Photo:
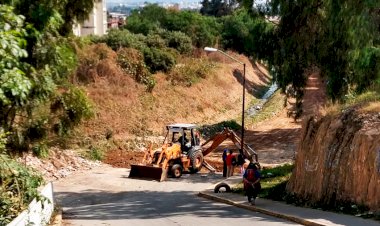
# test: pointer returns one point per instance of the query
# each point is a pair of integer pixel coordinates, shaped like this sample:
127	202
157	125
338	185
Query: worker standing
231	162
251	181
224	158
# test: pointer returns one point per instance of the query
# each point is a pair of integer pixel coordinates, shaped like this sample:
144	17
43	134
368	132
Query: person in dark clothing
224	157
240	161
183	141
251	180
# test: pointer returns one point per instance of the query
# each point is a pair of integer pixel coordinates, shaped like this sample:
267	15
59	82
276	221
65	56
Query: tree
52	15
202	30
29	82
248	34
339	37
15	84
217	8
351	46
73	11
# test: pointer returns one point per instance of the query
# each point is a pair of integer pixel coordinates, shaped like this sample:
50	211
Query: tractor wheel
196	159
176	171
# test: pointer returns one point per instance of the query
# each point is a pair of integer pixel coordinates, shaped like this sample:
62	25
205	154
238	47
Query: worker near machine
224	158
231	162
176	139
251	181
185	146
240	161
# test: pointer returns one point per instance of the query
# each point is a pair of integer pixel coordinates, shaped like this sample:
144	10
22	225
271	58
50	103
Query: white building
96	23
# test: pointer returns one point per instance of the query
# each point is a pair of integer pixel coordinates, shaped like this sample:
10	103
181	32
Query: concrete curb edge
260	210
57	219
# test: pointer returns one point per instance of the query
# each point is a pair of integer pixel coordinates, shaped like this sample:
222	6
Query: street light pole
209	49
242	111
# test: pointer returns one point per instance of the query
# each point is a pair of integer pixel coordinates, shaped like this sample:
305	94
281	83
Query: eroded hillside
125	109
338	159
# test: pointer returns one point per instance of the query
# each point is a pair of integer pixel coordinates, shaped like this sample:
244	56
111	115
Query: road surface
106	196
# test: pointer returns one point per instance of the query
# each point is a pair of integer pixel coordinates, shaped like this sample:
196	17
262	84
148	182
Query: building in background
116	20
96	23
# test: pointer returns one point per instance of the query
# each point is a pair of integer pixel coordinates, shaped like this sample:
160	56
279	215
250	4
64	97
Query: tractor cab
186	135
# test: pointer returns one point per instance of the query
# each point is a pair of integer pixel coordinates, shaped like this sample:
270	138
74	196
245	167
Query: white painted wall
37	213
96	23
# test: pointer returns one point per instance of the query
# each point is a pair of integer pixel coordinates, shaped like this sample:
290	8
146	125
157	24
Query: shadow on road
92	205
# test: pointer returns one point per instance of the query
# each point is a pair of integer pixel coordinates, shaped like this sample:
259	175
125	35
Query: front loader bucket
148	172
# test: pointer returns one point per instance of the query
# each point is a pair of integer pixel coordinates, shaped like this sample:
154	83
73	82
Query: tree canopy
35	62
341	38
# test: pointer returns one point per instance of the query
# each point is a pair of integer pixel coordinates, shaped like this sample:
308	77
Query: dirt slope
338	160
125	108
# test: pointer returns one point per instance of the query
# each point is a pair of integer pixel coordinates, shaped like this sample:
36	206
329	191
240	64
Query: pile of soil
123	159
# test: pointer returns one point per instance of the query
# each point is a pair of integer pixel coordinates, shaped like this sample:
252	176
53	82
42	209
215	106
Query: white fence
38	213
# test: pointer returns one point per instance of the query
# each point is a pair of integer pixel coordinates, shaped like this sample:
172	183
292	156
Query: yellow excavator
182	152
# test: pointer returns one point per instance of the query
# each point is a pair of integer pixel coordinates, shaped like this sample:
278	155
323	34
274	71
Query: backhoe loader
182	152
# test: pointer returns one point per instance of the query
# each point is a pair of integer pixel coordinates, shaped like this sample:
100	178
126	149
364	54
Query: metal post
209	49
242	112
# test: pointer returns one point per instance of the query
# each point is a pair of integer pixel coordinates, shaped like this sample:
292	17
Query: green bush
132	63
190	72
210	130
96	154
143	21
159	59
202	30
155	41
122	39
179	41
41	150
18	185
37	130
72	107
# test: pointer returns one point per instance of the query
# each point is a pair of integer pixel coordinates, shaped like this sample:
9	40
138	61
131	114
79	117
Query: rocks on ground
59	164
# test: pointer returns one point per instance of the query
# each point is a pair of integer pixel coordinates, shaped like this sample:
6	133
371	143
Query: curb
57	219
260	210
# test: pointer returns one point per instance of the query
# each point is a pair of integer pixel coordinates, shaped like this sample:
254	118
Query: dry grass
127	110
372	107
367	102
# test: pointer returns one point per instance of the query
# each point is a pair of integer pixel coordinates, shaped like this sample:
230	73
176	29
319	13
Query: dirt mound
123	158
338	160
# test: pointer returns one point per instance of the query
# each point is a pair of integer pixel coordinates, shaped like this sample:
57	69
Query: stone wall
338	160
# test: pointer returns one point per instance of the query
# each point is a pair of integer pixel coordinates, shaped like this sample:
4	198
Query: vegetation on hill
37	100
38	65
46	74
18	185
341	39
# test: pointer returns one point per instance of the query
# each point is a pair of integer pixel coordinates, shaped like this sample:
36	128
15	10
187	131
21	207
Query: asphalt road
106	196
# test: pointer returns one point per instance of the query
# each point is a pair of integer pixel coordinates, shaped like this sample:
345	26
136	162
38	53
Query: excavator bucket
148	172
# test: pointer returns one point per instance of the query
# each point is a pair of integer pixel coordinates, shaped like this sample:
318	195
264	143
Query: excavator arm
218	138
